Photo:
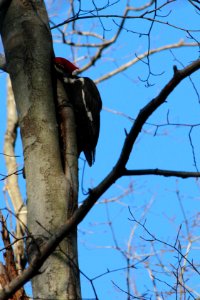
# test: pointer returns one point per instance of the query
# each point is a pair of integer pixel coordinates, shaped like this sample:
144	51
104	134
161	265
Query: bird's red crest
65	64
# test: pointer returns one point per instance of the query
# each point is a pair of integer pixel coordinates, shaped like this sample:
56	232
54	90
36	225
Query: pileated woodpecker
86	102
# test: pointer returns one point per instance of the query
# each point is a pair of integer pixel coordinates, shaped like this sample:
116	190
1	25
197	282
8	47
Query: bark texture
28	47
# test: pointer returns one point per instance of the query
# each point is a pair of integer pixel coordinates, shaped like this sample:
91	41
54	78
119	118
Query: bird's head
63	65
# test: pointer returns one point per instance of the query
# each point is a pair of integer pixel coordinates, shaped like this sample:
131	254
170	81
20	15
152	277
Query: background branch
165	173
11	182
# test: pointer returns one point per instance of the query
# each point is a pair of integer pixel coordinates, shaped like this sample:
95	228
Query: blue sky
150	198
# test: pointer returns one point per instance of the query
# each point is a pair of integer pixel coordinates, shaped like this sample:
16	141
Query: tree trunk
28	47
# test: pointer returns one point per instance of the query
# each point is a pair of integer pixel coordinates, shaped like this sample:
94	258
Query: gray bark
28	48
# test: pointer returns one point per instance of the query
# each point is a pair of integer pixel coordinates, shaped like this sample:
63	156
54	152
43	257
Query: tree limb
140	57
11	182
160	172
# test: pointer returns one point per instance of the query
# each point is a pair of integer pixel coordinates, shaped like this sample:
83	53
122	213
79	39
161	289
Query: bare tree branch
107	43
143	6
140	57
11	182
165	173
125	17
